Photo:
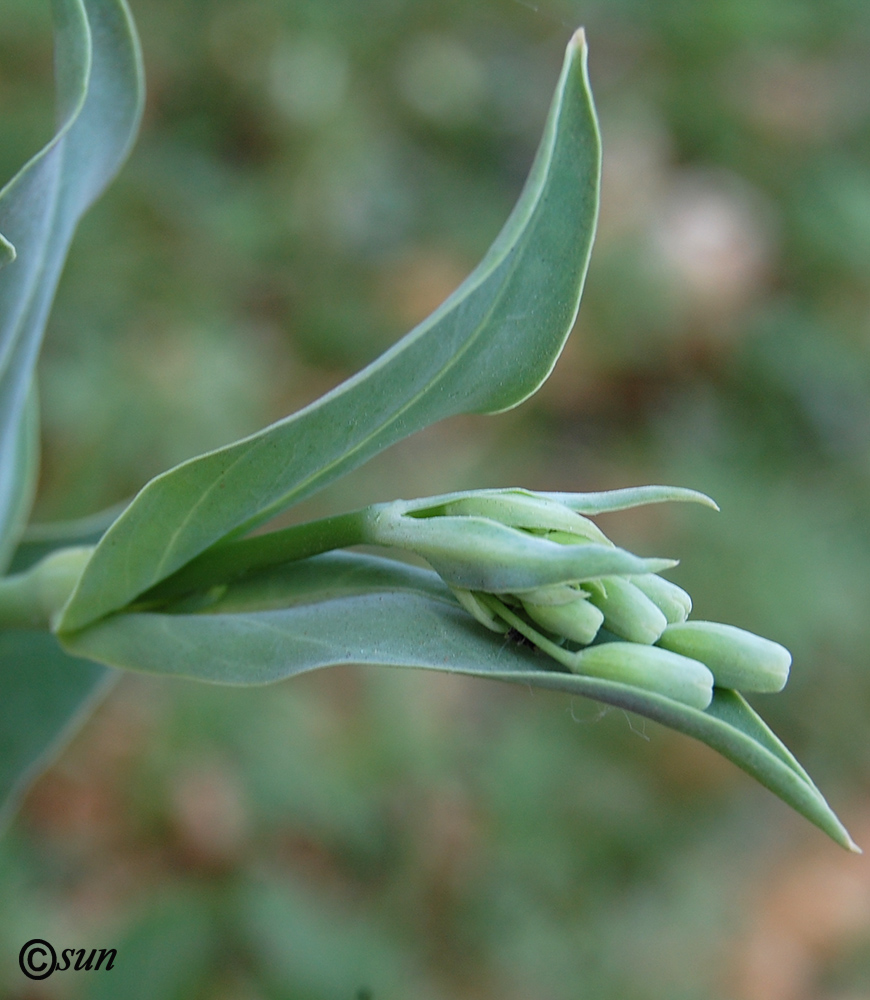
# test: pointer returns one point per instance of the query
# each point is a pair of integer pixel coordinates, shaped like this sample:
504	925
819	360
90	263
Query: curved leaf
99	99
487	348
347	608
606	501
99	96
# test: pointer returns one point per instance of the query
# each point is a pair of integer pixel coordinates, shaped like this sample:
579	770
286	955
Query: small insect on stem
514	635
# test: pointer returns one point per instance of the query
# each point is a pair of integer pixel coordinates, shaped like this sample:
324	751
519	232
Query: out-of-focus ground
311	180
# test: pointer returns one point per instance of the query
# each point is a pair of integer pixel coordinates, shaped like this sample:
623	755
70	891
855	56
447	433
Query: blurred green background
312	179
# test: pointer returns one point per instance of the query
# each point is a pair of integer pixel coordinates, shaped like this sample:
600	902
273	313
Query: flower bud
579	620
473	605
480	554
520	509
628	612
738	659
673	602
678	677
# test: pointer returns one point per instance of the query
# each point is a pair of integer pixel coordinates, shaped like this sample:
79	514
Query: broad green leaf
44	694
486	349
99	99
348	608
43	691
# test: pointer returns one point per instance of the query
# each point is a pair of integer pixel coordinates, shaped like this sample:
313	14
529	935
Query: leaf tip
837	831
659	565
578	40
696	496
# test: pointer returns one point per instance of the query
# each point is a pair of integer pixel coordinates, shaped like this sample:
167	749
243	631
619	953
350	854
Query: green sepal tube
673	675
738	659
628	612
673	602
579	621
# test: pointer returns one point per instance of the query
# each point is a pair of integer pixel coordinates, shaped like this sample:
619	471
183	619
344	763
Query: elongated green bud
579	621
480	554
628	612
738	659
678	677
473	605
673	602
520	509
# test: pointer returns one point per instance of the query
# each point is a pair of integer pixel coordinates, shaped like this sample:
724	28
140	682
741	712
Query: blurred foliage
312	179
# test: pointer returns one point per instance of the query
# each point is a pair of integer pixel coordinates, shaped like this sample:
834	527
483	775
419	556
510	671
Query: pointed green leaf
733	728
99	99
43	691
633	496
347	608
44	695
487	348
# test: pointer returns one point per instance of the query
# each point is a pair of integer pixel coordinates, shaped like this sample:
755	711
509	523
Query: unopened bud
738	659
579	620
673	602
474	606
678	677
628	612
521	509
479	554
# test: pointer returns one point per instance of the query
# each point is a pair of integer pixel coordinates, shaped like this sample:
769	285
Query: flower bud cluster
533	563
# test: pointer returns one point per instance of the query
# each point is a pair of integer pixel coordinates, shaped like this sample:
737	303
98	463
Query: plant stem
231	560
31	600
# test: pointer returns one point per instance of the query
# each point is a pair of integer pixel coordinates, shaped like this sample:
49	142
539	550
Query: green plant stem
32	600
232	560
